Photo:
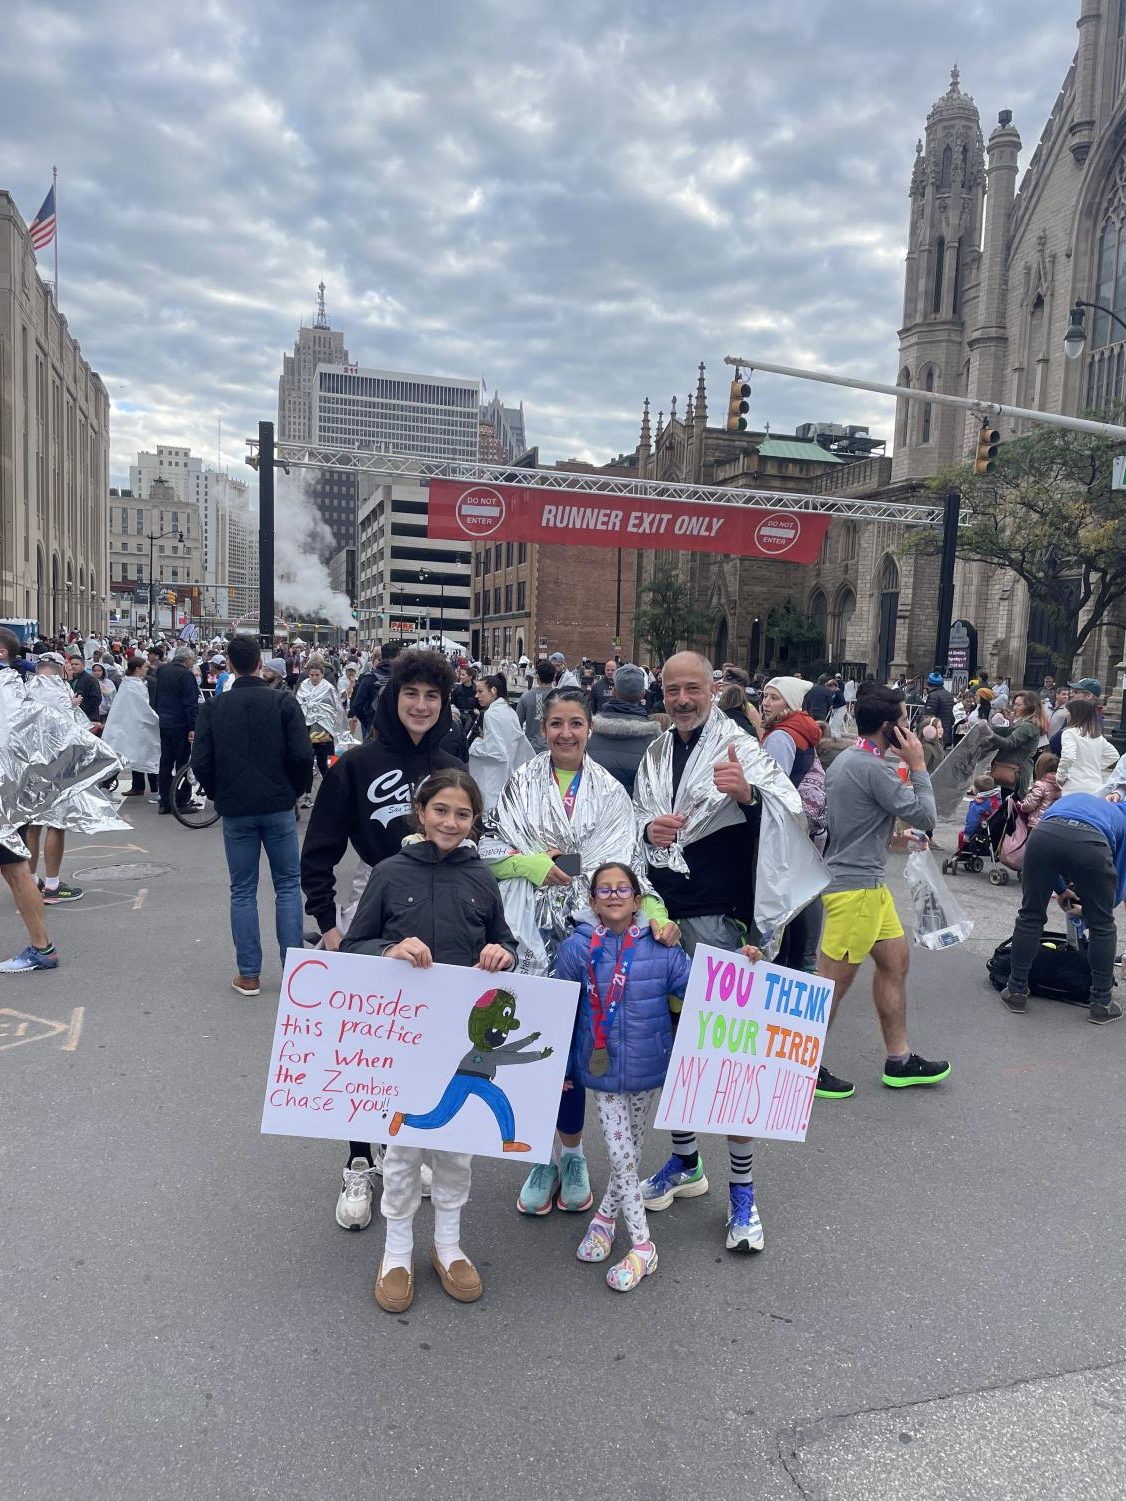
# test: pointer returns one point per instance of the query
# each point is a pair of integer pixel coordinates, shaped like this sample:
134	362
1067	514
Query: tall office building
318	345
54	452
502	439
408	584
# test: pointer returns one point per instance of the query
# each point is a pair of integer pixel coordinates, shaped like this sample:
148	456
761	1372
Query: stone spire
689	415
645	446
672	409
701	399
660	426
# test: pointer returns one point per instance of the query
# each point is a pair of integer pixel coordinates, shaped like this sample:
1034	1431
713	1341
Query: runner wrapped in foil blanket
530	818
50	763
790	872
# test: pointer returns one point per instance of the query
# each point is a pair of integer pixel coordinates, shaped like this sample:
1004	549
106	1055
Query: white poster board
448	1058
745	1058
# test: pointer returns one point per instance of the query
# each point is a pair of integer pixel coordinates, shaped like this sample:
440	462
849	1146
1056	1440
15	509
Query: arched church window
905	406
965	177
925	426
939	268
947	169
1110	287
889	576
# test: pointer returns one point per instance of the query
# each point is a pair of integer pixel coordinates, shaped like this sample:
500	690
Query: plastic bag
938	921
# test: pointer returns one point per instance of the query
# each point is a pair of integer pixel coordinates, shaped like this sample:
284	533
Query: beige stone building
995	262
54	452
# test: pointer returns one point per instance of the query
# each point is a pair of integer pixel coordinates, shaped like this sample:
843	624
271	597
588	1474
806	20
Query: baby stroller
981	848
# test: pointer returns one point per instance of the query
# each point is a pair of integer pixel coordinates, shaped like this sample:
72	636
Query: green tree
792	631
1048	514
669	616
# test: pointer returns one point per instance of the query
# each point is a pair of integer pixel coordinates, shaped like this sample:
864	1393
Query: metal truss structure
390	466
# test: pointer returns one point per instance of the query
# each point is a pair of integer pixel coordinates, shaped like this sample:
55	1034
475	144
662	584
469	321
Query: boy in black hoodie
366	800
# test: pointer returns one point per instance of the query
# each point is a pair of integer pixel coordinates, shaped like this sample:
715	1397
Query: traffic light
738	406
170	596
988	442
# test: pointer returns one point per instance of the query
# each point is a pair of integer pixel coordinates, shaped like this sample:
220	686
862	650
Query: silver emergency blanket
49	764
320	704
790	872
954	773
529	819
500	749
1117	782
132	727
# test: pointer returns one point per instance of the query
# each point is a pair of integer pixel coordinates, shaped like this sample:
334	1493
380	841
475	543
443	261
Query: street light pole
950	522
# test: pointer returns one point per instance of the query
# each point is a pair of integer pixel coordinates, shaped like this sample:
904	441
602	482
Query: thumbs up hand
729	777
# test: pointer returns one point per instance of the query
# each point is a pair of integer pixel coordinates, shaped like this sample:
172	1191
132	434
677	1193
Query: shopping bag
937	919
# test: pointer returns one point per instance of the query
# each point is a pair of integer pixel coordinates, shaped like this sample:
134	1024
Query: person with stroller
1016	743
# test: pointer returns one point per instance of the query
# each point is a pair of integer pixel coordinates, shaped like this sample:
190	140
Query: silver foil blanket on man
789	873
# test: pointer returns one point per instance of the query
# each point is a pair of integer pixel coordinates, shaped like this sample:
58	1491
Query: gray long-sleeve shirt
863	800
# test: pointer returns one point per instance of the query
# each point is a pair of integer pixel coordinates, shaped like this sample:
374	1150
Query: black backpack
1059	972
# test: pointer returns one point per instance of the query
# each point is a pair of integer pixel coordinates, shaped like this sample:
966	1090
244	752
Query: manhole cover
134	872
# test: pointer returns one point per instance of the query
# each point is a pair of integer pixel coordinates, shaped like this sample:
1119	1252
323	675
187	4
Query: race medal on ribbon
599	1062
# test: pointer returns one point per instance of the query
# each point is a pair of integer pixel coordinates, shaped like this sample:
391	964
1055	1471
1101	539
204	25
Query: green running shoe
538	1193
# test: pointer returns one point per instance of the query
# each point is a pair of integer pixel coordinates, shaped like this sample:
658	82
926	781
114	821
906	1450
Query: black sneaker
61	893
829	1087
1101	1012
915	1070
1015	1000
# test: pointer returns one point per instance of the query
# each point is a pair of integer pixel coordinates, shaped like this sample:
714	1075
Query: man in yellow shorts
863	799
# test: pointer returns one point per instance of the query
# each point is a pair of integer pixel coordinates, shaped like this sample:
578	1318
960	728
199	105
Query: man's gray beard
695	725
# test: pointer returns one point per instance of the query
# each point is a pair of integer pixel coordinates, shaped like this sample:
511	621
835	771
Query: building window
928	385
521	595
947	172
496	600
508	595
1110	289
509	554
905	406
939	268
522	554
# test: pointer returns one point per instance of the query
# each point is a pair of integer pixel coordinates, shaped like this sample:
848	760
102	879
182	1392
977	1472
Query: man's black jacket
252	751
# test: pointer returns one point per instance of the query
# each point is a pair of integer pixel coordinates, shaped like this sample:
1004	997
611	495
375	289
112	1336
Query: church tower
941	289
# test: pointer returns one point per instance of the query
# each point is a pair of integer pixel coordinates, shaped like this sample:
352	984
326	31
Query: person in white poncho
324	716
501	746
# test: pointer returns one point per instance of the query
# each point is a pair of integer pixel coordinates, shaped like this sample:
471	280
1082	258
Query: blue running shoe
574	1184
744	1228
674	1181
539	1190
28	959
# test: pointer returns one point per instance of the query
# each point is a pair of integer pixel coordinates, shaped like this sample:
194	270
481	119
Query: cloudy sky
576	202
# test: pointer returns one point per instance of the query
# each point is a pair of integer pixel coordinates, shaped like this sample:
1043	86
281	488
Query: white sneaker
353	1207
427	1179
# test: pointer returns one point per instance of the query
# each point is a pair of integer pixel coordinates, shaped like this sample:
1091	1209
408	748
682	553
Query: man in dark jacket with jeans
176	701
622	731
253	757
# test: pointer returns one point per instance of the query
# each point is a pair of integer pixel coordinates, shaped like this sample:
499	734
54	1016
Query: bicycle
197	811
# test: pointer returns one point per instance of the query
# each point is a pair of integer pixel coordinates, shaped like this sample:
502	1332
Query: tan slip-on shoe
246	985
462	1281
394	1290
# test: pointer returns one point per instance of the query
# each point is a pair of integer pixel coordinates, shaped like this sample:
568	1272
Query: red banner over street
460	510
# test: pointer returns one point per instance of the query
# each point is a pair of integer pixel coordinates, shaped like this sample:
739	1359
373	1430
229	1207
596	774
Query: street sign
1118	472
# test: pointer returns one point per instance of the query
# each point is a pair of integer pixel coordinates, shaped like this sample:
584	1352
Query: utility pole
950	521
266	535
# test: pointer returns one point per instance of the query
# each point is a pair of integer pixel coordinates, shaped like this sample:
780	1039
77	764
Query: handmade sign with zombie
450	1058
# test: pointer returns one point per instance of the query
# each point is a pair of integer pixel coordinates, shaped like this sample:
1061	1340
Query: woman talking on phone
559	818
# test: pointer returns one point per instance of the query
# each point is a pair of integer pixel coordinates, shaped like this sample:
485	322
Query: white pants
624	1118
402	1188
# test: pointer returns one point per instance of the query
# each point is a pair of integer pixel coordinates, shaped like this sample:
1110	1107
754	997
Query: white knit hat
793	690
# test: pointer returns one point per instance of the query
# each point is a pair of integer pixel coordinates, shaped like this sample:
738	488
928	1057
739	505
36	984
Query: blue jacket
1109	819
640	1039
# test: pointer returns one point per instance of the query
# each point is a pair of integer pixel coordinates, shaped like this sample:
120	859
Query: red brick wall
575	599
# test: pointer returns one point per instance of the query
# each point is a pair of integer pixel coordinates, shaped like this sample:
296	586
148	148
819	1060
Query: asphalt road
937	1313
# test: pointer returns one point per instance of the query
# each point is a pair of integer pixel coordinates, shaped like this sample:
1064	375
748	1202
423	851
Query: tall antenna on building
322	317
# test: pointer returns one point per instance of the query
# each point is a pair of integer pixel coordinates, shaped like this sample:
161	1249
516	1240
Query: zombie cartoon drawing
493	1017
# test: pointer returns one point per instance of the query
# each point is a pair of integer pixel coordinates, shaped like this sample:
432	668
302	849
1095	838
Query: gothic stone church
993	268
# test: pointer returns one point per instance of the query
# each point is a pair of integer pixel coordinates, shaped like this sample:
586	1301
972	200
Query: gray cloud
578	203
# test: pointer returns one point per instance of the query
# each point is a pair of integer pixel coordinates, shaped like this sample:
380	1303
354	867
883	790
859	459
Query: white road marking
75	1030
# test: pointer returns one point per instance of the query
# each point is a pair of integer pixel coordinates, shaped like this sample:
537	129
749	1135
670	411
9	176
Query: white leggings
624	1118
402	1192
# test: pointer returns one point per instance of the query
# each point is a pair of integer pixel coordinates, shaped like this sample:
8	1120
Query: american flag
42	227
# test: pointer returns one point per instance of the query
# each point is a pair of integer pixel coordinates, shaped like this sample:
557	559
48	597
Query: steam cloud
302	546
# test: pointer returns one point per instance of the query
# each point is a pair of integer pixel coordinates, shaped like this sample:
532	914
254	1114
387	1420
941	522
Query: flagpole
55	189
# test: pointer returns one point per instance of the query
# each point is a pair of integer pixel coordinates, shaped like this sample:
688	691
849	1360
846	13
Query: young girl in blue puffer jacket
623	1042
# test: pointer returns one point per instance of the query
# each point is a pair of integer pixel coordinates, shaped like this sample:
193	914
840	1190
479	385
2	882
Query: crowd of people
597	829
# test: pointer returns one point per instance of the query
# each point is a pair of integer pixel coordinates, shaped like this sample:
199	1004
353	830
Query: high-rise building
54	452
145	533
391	412
502	438
405	580
318	345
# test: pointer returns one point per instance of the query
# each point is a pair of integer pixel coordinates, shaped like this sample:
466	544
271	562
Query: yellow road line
75	1030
